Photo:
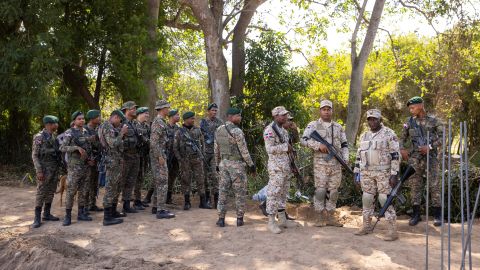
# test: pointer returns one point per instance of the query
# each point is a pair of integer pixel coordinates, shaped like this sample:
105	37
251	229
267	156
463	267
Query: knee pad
382	198
333	195
320	194
368	200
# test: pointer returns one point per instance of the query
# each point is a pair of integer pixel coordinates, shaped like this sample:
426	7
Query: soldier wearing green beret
208	126
143	130
188	147
46	159
415	131
94	119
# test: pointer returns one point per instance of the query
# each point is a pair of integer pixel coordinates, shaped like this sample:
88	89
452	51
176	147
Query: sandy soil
192	241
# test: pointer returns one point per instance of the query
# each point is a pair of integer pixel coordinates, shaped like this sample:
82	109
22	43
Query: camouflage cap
142	110
92	114
76	114
172	112
280	110
188	115
414	100
374	113
128	105
50	119
326	102
160	104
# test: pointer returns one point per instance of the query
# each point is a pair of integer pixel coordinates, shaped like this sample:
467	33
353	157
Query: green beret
92	114
142	110
415	100
188	115
120	114
172	112
50	119
233	111
76	114
212	105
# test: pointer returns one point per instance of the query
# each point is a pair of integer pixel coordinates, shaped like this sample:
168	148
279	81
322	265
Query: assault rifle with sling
332	152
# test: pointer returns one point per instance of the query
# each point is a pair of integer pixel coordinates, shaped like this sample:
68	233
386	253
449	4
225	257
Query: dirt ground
192	241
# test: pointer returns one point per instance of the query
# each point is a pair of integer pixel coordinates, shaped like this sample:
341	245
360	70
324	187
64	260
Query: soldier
46	159
208	126
143	130
94	119
376	167
327	170
111	134
188	147
415	131
79	152
172	162
231	155
131	156
279	171
158	159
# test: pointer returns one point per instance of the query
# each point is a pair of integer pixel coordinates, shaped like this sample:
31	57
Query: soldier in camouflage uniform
111	134
232	157
415	131
279	171
143	130
172	162
188	147
327	172
158	159
208	126
79	156
46	159
94	120
376	167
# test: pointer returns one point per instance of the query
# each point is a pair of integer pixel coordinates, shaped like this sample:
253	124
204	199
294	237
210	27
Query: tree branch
419	10
353	42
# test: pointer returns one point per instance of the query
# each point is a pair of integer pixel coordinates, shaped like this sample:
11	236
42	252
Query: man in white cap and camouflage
327	170
279	171
376	168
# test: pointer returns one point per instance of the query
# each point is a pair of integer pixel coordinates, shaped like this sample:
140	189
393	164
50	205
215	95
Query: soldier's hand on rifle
404	154
161	161
423	149
393	180
124	130
40	176
323	148
83	153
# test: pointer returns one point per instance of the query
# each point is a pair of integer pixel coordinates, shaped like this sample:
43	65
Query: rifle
291	158
332	152
194	146
203	127
395	193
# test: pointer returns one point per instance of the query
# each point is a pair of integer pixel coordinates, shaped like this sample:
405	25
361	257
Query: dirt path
192	240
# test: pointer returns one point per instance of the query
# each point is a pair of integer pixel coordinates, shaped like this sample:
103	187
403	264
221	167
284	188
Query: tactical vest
227	144
79	139
375	152
49	150
130	141
187	145
327	134
418	133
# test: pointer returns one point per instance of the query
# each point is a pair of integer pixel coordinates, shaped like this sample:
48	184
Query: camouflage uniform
279	172
232	155
158	146
327	172
191	163
77	167
46	159
418	161
112	140
172	162
143	130
131	159
92	179
208	128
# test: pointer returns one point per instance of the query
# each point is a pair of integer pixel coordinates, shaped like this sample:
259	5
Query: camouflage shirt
74	139
95	142
230	144
111	139
143	131
415	132
208	128
158	138
183	147
45	151
171	130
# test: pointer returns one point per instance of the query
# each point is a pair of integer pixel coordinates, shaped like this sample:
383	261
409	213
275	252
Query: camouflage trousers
160	178
46	188
91	186
130	174
233	176
114	169
192	169
373	182
416	181
76	183
277	188
211	176
327	181
173	173
143	166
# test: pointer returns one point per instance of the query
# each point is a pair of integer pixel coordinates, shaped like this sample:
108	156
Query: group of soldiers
216	157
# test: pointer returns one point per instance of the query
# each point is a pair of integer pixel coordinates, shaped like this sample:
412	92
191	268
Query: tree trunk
358	66
218	73
75	79
101	70
151	54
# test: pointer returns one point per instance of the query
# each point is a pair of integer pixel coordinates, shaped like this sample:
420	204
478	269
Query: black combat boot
154	210
437	216
138	205
263	207
215	199
82	214
148	197
95	208
415	216
108	219
68	217
47	215
221	222
127	208
36	220
187	205
164	214
169	198
203	202
117	214
239	221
